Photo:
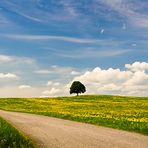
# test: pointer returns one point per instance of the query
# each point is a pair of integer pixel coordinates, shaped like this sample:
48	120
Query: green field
127	113
12	138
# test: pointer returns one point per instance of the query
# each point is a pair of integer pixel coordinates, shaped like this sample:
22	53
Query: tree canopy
77	87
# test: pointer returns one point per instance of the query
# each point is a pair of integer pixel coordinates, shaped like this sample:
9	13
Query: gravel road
48	132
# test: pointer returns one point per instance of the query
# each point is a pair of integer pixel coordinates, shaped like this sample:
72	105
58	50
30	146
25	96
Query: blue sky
58	41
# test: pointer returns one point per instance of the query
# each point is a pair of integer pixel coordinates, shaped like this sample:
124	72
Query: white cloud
100	76
43	71
102	31
138	78
37	10
93	53
56	84
24	86
15	59
59	70
131	10
141	21
46	92
133	81
52	92
55	69
8	76
14	91
75	73
137	66
49	37
30	17
49	83
55	89
4	58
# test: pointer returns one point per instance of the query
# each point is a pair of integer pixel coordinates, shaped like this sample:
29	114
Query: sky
45	45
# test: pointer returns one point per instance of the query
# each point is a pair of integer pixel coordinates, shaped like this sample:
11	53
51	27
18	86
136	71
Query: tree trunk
77	94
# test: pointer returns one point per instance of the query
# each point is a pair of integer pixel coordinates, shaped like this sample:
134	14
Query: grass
127	113
12	138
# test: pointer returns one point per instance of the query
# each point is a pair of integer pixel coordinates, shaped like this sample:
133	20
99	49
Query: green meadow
12	138
126	113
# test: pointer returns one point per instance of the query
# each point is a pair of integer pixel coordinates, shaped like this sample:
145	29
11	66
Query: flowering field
127	113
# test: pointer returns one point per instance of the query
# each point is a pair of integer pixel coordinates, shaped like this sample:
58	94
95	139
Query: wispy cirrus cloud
42	11
58	70
59	74
49	37
132	11
64	11
36	34
93	53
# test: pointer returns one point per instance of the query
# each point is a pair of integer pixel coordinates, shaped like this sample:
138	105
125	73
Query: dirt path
50	132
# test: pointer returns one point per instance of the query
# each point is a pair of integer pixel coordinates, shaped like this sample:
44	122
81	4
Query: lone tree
77	87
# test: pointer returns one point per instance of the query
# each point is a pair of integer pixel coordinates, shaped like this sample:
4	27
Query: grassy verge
127	113
12	138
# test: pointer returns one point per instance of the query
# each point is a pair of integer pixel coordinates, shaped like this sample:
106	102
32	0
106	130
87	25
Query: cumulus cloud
52	92
4	58
15	60
138	78
24	86
137	66
56	84
75	73
51	83
8	76
15	91
132	81
55	89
